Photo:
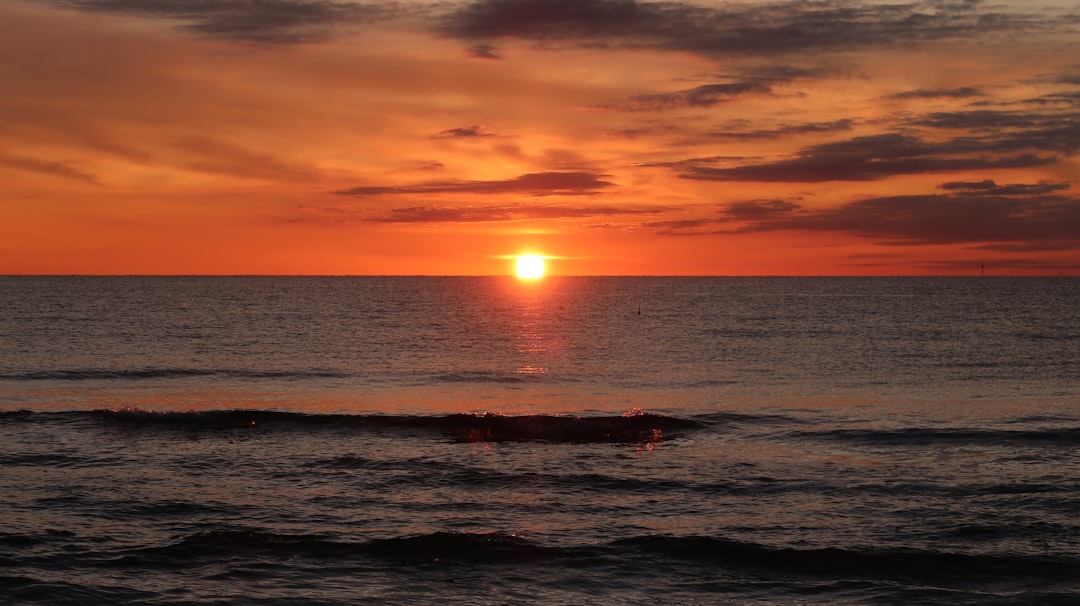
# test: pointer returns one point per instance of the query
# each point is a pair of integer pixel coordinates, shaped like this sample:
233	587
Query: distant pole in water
982	269
639	310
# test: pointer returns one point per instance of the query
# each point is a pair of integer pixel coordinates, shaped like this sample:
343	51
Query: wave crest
638	427
100	374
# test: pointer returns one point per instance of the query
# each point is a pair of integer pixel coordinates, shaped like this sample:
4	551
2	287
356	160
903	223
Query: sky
612	137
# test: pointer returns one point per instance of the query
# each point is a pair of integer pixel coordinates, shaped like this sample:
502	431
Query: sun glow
530	267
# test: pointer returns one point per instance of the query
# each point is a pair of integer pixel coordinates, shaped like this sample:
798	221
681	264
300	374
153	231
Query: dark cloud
683	227
1010	130
517	212
733	28
1062	99
702	161
986	140
713	29
49	167
551	19
484	51
760	210
751	211
980	120
989	187
261	21
751	81
706	95
467	132
533	184
973	218
966	218
870	158
1038	246
812	128
940	93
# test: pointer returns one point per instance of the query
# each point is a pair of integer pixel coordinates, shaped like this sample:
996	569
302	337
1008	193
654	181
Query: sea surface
452	440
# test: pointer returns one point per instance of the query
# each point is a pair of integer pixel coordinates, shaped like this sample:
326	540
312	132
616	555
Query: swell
633	427
899	565
1064	436
99	374
643	555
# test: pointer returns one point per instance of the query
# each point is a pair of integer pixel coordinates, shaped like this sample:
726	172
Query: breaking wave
633	427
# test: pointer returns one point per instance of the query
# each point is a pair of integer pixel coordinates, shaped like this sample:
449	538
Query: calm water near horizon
423	440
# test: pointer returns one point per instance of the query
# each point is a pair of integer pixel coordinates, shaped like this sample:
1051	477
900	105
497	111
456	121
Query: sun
530	267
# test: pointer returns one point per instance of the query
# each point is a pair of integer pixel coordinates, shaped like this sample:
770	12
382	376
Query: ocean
573	440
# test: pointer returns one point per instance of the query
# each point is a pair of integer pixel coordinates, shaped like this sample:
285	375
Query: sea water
428	440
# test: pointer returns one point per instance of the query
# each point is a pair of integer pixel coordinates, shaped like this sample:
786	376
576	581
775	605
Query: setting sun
530	267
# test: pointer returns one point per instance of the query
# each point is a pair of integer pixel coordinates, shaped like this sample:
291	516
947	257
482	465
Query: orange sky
614	137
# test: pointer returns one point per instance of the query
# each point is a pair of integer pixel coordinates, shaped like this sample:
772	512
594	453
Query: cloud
1069	99
1036	223
980	120
812	128
467	132
48	167
706	95
773	28
261	21
533	184
989	187
1007	130
734	28
485	51
758	80
759	210
516	212
870	158
940	93
549	19
222	158
972	217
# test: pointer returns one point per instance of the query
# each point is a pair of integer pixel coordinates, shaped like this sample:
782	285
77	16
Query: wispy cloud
964	92
260	21
752	28
731	28
485	51
1037	222
533	184
989	187
706	95
812	128
516	212
466	132
873	157
49	167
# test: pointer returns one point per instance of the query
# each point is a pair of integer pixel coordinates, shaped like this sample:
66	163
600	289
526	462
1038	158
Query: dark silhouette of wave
917	436
642	555
628	428
99	374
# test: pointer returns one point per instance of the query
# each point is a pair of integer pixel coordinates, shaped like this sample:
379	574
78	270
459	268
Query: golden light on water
530	267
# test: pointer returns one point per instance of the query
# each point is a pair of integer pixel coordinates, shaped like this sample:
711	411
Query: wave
99	374
901	565
479	376
929	437
632	427
196	550
642	555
